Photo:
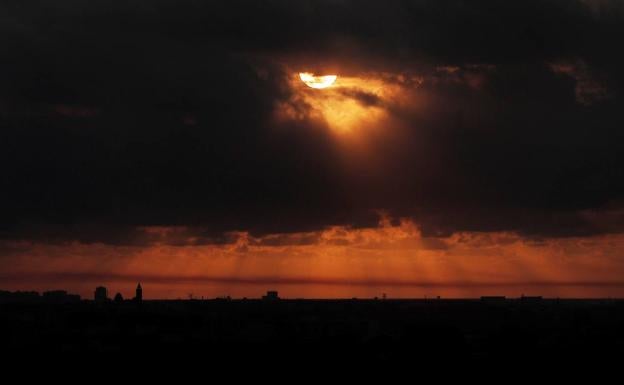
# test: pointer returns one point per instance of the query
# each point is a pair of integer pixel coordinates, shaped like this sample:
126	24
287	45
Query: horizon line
292	280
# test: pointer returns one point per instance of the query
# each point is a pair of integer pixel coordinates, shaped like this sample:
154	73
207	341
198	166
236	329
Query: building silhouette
271	295
493	298
531	298
139	293
19	296
60	296
118	297
101	294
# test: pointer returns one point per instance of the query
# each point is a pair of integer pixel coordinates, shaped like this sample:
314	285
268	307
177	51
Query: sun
318	82
344	104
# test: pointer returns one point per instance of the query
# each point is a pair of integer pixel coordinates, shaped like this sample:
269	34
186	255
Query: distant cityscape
101	295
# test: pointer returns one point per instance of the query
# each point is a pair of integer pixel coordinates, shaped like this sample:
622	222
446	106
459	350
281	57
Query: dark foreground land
333	331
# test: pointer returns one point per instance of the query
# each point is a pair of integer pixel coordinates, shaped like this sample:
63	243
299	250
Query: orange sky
336	262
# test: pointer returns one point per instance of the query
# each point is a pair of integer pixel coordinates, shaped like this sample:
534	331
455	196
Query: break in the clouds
484	116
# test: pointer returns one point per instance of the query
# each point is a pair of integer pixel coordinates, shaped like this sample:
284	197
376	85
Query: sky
466	148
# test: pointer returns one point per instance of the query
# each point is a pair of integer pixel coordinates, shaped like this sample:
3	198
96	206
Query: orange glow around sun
346	103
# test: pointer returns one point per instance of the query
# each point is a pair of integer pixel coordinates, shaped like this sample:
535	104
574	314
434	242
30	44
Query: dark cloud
160	113
365	98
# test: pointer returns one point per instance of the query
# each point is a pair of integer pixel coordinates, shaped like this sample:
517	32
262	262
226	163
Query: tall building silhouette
139	293
101	294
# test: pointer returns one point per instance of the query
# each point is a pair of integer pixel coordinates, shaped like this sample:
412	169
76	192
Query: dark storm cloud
159	113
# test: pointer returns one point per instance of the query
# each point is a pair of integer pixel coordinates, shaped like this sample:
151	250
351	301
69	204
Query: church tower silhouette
139	293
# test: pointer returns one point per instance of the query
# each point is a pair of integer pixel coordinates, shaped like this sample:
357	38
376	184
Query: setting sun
317	82
355	101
